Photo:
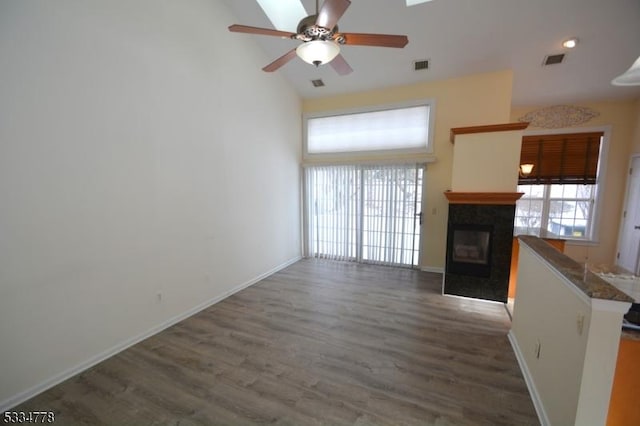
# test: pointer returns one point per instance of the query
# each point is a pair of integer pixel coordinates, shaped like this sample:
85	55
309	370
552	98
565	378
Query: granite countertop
586	281
626	283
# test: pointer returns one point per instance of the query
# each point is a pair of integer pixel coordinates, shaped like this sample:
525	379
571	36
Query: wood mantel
484	198
486	129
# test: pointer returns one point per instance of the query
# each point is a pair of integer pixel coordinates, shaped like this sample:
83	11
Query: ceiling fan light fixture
318	52
631	77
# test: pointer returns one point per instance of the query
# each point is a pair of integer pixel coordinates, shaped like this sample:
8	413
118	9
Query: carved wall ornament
558	116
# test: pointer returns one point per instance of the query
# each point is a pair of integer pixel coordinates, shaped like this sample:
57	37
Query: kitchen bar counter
586	281
513	274
623	408
572	318
628	284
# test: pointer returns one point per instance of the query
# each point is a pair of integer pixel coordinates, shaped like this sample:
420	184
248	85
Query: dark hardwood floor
317	343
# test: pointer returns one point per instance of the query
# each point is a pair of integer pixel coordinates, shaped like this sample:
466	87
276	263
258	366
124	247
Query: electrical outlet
537	349
580	323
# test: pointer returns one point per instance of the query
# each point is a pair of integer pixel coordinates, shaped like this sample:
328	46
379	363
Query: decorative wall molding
559	116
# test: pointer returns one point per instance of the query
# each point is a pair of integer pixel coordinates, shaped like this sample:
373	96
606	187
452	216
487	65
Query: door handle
636	227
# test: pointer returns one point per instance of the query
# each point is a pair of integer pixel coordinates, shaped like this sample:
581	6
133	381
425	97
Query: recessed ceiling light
570	43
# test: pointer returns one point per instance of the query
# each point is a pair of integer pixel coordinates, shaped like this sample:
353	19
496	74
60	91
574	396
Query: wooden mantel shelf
484	198
486	129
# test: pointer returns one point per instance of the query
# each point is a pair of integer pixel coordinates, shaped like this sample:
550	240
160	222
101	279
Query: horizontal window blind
561	158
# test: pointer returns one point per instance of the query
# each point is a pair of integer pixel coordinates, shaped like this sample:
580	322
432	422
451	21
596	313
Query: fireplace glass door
469	249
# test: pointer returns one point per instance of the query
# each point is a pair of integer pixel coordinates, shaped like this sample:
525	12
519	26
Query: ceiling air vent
421	65
317	83
553	59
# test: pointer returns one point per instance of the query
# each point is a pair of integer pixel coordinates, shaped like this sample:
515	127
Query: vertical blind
561	158
364	213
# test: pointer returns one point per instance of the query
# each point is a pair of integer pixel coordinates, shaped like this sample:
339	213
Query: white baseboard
436	269
535	396
60	377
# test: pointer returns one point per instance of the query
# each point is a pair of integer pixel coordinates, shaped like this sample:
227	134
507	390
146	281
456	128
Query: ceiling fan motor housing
308	30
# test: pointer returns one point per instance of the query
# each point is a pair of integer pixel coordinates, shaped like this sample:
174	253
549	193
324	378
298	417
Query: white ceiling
463	37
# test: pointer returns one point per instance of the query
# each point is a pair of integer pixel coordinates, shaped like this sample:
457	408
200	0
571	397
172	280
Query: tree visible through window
563	210
364	213
559	194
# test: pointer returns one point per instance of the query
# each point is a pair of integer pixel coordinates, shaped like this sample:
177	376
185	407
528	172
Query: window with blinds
399	128
364	213
570	158
561	191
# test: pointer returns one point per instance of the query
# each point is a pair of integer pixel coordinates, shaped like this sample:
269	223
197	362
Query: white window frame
594	225
546	199
430	103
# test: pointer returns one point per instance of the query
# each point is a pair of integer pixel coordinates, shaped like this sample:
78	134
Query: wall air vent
422	64
317	83
553	59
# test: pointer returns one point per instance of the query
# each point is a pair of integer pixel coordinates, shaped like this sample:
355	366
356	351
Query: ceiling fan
321	39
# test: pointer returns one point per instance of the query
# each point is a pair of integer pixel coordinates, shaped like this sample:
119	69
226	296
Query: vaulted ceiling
463	37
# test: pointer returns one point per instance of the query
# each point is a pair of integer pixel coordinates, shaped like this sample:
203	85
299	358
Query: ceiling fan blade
381	40
341	66
273	66
330	12
235	28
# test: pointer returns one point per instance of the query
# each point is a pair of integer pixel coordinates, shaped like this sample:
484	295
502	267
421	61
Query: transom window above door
386	129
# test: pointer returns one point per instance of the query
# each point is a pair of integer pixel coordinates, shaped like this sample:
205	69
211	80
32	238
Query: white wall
142	153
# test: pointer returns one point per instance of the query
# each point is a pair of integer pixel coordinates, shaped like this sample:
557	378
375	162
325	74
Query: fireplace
479	240
469	249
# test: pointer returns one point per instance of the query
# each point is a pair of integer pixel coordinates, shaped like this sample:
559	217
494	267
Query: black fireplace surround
479	242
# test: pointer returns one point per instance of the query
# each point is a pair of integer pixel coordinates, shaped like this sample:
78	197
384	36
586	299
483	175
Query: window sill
544	234
587	243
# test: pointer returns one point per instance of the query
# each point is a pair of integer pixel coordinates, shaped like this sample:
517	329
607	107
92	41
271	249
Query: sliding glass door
364	213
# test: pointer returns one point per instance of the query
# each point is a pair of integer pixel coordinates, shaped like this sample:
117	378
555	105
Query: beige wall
473	152
147	168
623	117
635	147
468	101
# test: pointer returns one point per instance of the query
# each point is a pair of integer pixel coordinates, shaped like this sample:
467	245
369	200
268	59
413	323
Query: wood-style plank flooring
317	343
